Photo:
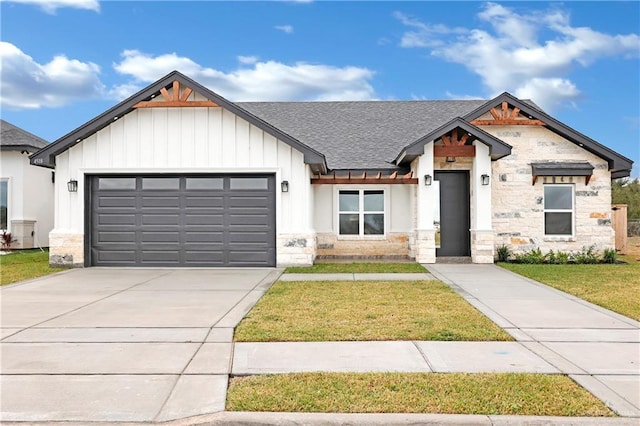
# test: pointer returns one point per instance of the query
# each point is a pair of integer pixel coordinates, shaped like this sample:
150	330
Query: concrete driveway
116	344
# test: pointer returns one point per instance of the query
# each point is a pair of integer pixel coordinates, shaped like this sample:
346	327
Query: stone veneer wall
518	209
66	249
395	245
295	249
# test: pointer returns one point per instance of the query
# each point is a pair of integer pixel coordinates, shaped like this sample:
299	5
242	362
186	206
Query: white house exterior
178	176
26	191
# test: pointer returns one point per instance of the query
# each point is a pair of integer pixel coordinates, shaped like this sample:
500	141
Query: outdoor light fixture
427	180
72	186
485	179
451	159
284	186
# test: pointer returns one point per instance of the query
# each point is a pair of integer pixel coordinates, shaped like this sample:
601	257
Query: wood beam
515	113
175	104
185	95
345	181
463	139
446	140
176	90
505	109
165	94
454	151
507	122
495	114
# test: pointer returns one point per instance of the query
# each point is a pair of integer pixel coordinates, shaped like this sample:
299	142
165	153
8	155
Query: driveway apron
118	344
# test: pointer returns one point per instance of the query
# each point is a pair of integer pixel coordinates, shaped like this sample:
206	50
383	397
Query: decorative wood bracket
454	146
506	117
175	99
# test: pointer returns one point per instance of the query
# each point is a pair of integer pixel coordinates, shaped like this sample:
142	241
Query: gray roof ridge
29	138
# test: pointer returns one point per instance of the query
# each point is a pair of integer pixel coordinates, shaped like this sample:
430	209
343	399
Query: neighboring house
26	192
178	176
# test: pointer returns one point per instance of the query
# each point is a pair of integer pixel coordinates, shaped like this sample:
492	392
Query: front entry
454	213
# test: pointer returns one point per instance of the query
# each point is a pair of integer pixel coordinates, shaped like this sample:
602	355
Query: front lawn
361	310
614	287
23	265
357	268
459	393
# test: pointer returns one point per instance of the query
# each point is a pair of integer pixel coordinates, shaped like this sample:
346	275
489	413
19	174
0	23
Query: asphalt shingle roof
360	135
15	137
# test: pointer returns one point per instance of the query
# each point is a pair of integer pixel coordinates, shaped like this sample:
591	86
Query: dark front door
454	213
188	220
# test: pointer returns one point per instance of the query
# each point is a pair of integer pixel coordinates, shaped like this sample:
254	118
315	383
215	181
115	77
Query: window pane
349	201
373	201
373	224
161	183
4	206
116	183
205	183
557	223
349	224
558	197
249	183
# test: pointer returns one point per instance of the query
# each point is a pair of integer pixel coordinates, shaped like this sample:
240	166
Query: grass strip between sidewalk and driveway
24	265
357	268
457	393
615	287
319	311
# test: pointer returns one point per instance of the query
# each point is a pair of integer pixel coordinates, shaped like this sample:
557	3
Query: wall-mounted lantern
284	185
485	179
72	186
451	159
427	180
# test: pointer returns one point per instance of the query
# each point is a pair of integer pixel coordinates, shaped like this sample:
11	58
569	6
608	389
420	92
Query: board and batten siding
184	140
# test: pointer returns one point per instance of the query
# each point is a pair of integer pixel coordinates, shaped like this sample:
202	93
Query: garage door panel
118	202
117	219
183	221
160	237
116	236
164	202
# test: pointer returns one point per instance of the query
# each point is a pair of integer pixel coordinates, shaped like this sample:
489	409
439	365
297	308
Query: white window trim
9	203
557	237
361	188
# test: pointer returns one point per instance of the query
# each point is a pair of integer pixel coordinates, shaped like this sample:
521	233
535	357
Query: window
361	212
4	204
558	210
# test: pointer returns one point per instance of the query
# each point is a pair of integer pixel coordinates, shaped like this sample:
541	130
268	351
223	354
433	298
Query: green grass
23	265
358	268
361	310
459	393
615	287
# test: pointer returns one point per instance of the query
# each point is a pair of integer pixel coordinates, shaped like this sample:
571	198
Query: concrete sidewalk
358	277
554	331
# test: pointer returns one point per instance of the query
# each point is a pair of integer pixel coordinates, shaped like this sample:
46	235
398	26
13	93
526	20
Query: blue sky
65	61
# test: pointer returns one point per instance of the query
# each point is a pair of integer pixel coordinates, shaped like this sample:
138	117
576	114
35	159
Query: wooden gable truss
179	98
353	178
507	116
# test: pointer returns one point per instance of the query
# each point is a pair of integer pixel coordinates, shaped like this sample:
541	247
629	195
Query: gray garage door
212	220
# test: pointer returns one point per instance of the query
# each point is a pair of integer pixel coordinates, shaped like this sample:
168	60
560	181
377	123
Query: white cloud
27	84
284	28
51	6
511	55
263	81
247	60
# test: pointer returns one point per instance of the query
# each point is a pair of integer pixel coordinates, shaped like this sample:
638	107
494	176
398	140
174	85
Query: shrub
504	253
609	256
586	255
557	258
530	257
6	239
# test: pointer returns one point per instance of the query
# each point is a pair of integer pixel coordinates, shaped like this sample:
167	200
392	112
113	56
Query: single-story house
26	192
176	175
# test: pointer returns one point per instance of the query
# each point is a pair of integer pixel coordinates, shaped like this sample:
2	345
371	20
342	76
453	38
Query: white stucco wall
180	140
30	200
398	223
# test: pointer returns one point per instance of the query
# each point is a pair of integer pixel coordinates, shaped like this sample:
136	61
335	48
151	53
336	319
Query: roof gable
619	165
13	138
497	148
46	156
